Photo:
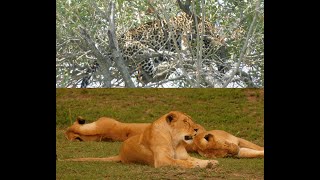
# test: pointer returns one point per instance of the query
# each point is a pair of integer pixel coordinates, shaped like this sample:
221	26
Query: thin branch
185	7
104	62
244	47
199	39
95	5
246	78
198	63
180	62
113	42
165	81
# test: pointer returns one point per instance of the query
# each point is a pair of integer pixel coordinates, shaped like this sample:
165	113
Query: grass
238	111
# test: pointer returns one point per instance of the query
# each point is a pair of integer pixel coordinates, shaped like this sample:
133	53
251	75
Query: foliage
232	20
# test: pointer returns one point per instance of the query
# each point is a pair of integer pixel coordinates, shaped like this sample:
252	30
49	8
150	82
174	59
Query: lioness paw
201	163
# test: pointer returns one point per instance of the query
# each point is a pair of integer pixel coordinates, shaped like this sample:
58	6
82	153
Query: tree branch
104	62
246	78
115	49
185	7
179	60
165	81
244	46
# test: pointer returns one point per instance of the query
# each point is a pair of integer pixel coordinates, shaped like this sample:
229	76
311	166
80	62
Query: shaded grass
238	111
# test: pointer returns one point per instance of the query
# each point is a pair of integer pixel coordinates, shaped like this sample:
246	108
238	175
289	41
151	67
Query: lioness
218	143
104	129
161	144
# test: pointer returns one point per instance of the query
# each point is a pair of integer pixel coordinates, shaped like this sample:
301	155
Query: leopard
151	49
147	46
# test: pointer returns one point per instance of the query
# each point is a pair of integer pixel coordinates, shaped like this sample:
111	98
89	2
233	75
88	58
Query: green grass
238	111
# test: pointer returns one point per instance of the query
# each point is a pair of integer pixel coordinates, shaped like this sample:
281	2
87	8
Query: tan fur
218	143
161	144
104	129
192	147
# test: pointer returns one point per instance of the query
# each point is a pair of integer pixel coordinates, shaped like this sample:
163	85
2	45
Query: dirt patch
245	176
254	95
180	173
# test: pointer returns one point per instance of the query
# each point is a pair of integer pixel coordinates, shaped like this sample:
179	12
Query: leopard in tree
146	47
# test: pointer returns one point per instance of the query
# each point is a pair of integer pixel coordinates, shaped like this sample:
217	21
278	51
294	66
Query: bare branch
113	42
104	62
165	81
246	78
244	46
185	7
179	60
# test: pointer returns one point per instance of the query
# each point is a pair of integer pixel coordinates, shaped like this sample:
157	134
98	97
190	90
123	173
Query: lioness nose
196	130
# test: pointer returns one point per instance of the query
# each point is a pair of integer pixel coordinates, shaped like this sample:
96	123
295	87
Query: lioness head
71	133
182	126
206	141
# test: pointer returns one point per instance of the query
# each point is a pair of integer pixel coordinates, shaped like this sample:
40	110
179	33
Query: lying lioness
218	143
161	144
108	129
104	129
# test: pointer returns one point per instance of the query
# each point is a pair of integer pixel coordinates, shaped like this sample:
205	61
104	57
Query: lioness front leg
204	163
182	154
172	162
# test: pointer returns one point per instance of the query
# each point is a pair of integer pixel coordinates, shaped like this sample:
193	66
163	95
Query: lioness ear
81	120
208	137
170	117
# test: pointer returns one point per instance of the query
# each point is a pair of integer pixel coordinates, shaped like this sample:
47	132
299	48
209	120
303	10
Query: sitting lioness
218	143
104	129
161	144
